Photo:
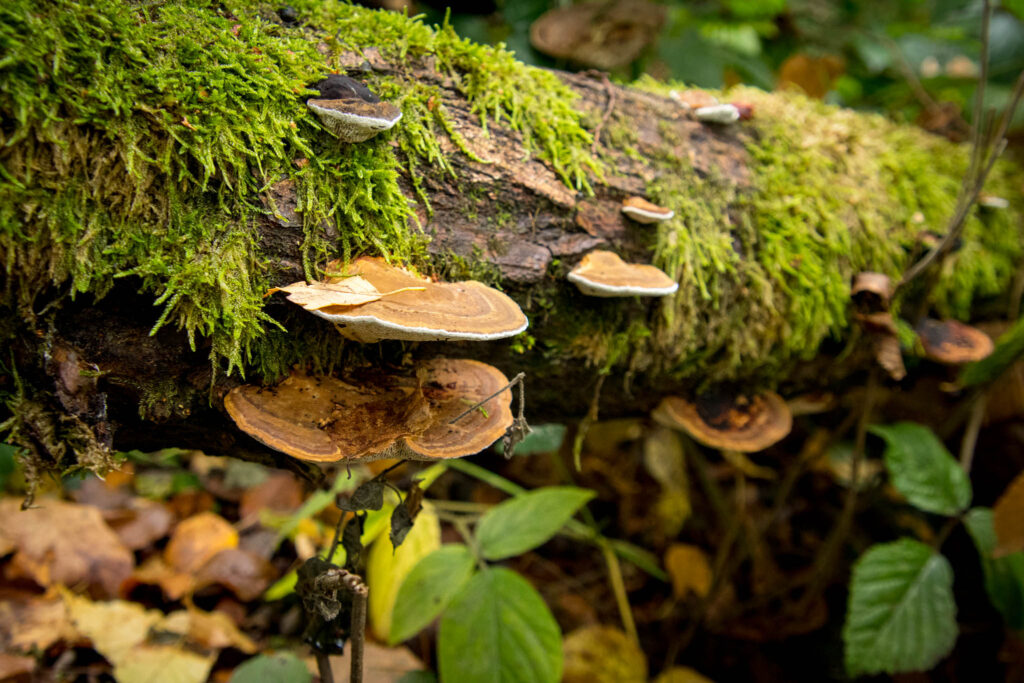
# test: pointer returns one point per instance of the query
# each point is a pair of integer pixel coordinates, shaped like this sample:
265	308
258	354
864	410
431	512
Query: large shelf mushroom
350	111
419	416
411	308
604	274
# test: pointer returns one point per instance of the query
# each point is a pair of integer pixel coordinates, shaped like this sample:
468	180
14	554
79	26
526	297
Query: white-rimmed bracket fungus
604	274
417	309
350	111
643	211
951	342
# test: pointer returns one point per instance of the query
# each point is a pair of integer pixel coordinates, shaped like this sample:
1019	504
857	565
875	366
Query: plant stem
589	419
619	590
971	432
323	665
358	632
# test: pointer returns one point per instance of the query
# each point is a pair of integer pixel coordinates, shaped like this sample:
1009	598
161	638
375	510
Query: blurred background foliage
913	60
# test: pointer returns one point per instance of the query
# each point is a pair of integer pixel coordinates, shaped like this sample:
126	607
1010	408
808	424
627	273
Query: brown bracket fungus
350	111
953	343
425	310
729	423
643	211
604	274
451	387
325	419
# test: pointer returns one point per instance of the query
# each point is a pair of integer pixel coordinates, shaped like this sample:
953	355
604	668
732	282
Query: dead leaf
210	630
15	665
64	543
813	75
1008	518
281	492
689	569
115	627
164	663
197	539
381	664
350	291
155	572
34	623
681	674
602	654
747	466
244	573
142	523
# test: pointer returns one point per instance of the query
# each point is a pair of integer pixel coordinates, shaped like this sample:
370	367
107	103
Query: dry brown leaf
813	75
197	539
281	492
64	543
602	654
12	666
689	569
211	630
1008	518
350	291
142	523
681	674
34	623
155	572
244	573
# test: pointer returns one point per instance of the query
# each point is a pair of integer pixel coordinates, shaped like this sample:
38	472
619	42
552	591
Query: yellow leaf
688	567
115	628
681	674
349	291
602	654
386	567
211	630
164	663
197	539
1008	518
748	467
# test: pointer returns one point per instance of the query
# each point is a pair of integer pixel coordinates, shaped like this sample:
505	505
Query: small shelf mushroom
953	343
730	423
416	309
604	274
643	211
325	419
718	113
350	111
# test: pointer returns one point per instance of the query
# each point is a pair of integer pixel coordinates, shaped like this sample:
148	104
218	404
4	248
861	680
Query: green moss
138	139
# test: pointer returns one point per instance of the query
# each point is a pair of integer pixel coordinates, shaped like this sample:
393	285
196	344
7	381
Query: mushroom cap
952	342
734	423
324	419
435	311
450	387
604	274
355	120
871	292
342	87
643	211
717	113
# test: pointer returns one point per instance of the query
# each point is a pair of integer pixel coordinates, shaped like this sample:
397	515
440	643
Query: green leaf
1009	349
498	630
528	520
923	470
283	667
901	615
1004	576
428	589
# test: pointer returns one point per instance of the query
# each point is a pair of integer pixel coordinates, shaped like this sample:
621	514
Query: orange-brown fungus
729	423
952	342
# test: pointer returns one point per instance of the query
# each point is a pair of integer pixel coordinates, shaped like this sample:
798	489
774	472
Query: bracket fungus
643	211
417	309
350	111
604	274
730	423
953	343
325	419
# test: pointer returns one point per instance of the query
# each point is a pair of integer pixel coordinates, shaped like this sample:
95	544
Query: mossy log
161	172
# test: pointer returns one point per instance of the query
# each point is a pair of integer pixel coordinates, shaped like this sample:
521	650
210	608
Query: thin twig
589	419
970	439
518	379
609	105
619	589
323	665
358	632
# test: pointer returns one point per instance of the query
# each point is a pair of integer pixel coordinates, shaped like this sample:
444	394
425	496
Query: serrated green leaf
428	588
498	630
283	667
1004	576
528	520
901	615
923	470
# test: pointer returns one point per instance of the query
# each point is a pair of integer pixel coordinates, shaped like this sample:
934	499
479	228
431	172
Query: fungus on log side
604	274
731	423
